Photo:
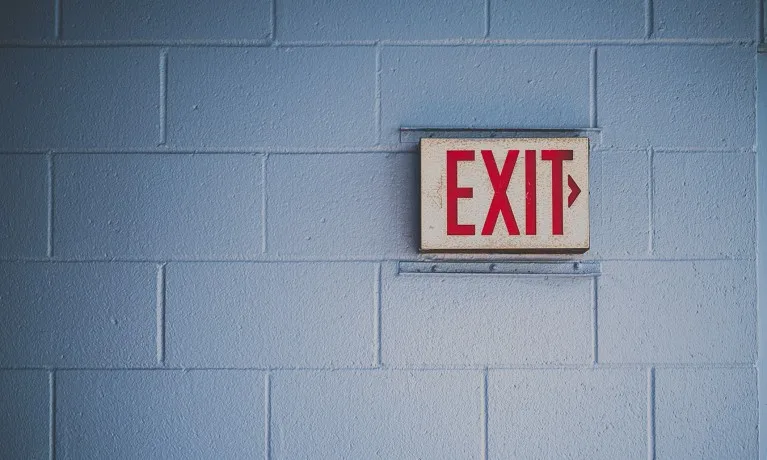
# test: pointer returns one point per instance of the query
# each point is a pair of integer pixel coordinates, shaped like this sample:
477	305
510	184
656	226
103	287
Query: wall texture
204	206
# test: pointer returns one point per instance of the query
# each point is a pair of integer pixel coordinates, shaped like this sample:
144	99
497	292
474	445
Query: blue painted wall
204	205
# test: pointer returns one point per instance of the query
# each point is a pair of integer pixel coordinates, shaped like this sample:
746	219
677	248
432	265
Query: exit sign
513	195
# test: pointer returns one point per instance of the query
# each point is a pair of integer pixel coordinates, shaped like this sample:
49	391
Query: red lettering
500	182
557	206
530	204
454	192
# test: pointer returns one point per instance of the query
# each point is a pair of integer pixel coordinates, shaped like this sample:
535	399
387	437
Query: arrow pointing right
574	191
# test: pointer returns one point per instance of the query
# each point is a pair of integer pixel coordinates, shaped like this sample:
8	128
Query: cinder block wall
204	206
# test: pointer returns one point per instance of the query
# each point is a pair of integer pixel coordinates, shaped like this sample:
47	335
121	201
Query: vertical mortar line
650	197
759	231
163	96
649	19
761	249
264	162
160	311
759	293
268	416
484	413
377	102
57	19
594	321
760	21
273	19
52	414
487	18
593	88
49	250
378	361
651	413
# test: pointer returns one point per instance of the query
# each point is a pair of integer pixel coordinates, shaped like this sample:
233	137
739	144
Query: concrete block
677	96
27	20
342	205
24	414
706	413
704	205
159	414
556	19
270	315
157	206
735	19
493	320
23	205
271	98
620	213
474	87
306	20
677	312
79	98
77	314
377	414
558	413
166	20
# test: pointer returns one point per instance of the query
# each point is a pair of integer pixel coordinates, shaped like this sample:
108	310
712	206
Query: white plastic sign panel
505	195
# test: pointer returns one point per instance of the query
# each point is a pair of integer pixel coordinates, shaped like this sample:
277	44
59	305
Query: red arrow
574	191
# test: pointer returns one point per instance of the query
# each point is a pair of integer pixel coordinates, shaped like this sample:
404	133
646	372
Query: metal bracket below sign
564	268
413	135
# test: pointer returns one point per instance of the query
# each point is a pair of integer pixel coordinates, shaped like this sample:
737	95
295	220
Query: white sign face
514	195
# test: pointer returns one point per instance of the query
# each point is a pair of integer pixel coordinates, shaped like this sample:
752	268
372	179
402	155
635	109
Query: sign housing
526	195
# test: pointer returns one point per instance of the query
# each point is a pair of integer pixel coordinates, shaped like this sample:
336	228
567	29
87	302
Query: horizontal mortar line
412	147
583	366
491	258
708	150
619	366
377	150
186	369
213	151
110	151
183	261
259	43
616	150
265	43
638	148
641	365
391	148
468	368
579	42
405	147
672	259
605	149
234	369
452	258
190	261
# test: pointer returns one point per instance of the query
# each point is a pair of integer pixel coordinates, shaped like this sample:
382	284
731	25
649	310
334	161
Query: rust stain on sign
513	195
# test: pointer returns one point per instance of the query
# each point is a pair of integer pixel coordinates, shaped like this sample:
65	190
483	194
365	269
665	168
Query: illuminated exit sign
515	195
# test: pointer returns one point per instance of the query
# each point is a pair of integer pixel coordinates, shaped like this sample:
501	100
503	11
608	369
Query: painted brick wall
204	206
